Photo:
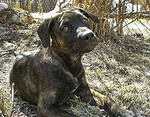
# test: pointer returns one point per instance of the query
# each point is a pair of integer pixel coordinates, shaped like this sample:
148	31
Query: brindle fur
56	72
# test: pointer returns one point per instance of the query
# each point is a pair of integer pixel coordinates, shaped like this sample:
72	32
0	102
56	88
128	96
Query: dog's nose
85	34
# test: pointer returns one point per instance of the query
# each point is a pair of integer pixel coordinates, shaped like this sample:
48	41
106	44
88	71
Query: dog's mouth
86	45
86	40
92	44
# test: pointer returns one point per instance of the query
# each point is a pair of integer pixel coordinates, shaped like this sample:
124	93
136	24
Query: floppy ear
44	31
89	15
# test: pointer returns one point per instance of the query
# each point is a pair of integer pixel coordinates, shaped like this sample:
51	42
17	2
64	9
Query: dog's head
69	31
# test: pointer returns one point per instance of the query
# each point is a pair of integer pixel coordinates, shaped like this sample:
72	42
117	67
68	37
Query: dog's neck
71	62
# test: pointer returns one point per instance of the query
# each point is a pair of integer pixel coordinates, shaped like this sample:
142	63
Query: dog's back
22	75
31	72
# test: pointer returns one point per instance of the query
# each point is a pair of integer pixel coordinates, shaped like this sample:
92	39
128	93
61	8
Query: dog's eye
65	28
84	20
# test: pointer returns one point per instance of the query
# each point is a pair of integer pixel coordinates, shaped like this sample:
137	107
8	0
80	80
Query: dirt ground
119	67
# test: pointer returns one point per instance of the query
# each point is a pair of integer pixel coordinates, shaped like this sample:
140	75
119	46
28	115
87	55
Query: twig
13	84
129	23
12	94
144	25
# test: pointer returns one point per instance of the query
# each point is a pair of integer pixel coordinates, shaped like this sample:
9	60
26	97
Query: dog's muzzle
85	34
87	37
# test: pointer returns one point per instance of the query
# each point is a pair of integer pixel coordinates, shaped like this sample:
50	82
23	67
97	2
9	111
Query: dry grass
5	100
102	9
119	67
122	71
114	15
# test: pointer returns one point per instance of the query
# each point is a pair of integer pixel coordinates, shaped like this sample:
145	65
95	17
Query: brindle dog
56	72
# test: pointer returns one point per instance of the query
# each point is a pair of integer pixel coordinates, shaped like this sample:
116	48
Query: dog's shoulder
25	55
46	57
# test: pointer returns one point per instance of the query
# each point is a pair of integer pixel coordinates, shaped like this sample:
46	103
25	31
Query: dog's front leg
83	91
97	99
48	107
111	106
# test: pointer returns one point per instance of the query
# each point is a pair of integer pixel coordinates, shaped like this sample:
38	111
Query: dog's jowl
55	73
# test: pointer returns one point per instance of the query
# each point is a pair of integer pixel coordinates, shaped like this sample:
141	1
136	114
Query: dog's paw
128	113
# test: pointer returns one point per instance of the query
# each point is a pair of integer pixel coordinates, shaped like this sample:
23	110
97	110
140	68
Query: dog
55	73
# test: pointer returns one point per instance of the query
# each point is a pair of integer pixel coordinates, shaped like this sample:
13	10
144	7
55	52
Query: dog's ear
89	15
44	31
